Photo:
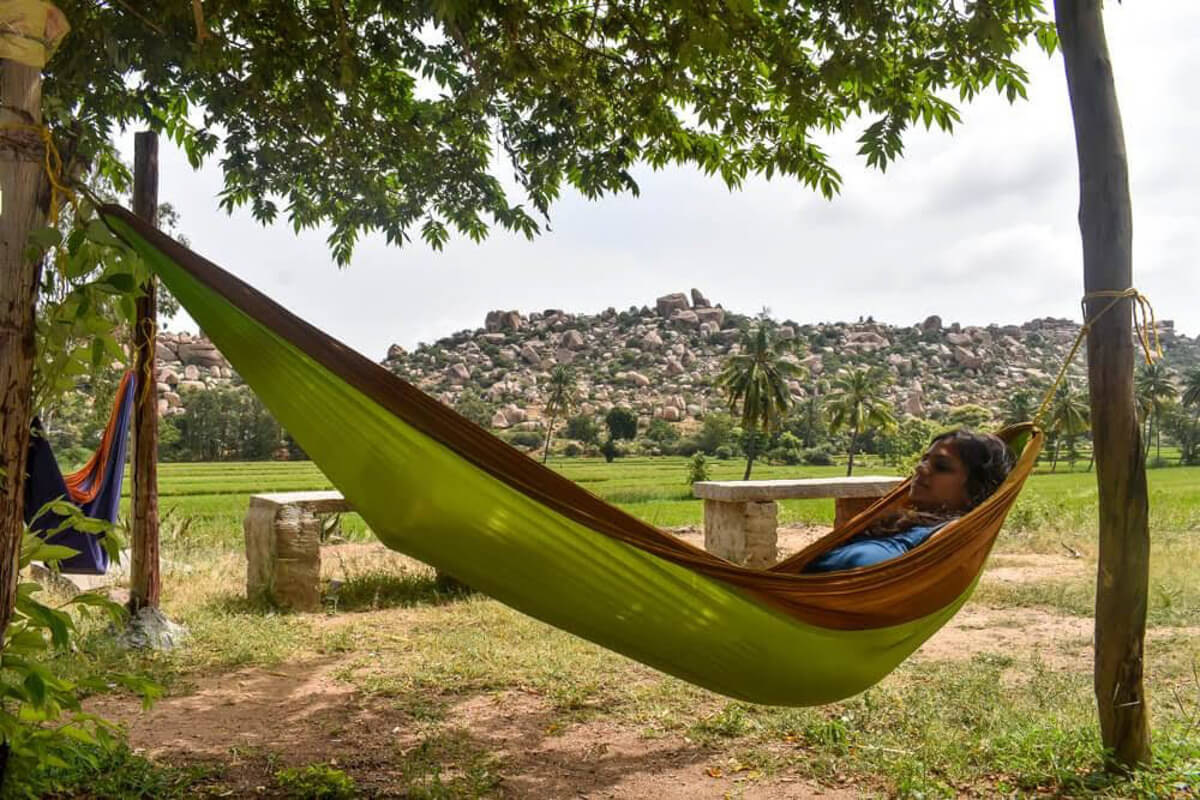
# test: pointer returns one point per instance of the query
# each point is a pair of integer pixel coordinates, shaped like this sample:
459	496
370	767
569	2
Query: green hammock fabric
422	498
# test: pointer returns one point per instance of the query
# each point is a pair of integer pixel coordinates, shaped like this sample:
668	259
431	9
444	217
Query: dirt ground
254	721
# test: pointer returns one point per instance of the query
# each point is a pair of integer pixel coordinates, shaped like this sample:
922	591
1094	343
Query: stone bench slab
804	488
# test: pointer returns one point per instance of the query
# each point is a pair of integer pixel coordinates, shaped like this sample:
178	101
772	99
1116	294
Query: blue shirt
863	551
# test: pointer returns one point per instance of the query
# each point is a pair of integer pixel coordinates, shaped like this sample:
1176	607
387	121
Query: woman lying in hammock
958	472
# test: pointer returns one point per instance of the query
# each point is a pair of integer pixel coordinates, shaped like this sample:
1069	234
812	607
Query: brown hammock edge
915	585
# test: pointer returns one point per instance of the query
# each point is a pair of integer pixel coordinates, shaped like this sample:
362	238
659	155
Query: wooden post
22	189
1106	226
144	579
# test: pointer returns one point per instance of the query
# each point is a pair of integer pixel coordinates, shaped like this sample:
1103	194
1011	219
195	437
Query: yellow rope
52	164
1146	328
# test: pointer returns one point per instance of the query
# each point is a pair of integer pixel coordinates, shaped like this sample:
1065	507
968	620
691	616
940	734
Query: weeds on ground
316	782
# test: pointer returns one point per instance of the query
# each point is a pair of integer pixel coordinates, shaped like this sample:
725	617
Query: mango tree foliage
400	117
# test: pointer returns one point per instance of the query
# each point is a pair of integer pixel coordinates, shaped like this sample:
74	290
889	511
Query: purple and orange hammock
95	488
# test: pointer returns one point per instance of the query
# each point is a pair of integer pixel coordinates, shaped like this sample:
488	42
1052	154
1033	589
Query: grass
998	723
203	504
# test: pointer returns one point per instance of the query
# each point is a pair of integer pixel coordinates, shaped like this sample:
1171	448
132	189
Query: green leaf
45	238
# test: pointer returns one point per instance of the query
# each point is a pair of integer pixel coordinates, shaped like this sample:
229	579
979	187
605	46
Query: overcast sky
978	226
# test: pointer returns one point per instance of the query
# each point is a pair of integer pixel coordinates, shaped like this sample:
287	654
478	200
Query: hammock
433	485
95	488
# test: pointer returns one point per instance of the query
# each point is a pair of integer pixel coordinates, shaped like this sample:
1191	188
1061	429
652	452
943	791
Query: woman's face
940	482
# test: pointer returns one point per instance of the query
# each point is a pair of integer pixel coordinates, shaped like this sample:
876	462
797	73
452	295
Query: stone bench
741	517
283	548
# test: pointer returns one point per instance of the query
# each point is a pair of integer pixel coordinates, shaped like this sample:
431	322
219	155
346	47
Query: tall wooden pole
144	578
1106	225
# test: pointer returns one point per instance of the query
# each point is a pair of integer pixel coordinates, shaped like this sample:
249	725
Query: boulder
651	341
685	319
168	376
193	385
965	358
932	323
497	321
637	379
564	356
201	353
458	373
714	315
191	373
573	340
913	405
960	339
172	400
707	329
493	338
162	407
671	302
699	300
672	414
499	420
513	414
727	336
786	333
396	353
165	351
529	355
674	367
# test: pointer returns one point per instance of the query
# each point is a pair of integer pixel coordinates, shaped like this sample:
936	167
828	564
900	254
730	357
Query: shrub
316	782
583	428
610	450
724	452
697	469
818	457
572	450
527	439
662	432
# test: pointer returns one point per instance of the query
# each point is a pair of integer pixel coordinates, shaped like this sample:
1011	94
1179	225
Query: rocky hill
661	361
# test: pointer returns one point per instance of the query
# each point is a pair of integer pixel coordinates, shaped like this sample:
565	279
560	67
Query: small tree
857	403
1154	389
1018	407
583	427
1191	399
559	399
622	424
757	378
1069	417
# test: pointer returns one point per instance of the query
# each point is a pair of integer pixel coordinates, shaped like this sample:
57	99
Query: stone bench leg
744	533
283	556
847	508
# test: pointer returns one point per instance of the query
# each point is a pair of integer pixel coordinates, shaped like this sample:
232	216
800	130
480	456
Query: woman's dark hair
986	457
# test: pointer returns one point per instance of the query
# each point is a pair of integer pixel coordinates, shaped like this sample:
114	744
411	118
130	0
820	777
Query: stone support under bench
741	517
283	546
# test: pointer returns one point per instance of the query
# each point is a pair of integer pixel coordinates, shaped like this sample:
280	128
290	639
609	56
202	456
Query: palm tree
1154	388
856	402
1018	407
561	397
757	378
1191	397
1070	415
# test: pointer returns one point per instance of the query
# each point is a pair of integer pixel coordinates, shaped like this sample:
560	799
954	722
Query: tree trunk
549	435
1106	226
1054	457
751	452
22	188
145	582
850	458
